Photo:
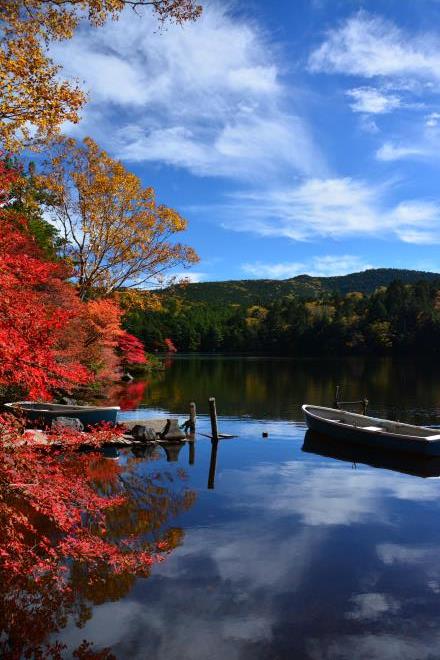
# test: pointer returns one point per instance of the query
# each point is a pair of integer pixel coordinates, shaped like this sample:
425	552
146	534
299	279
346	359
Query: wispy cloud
370	46
282	270
389	151
332	208
431	121
190	276
372	101
206	97
402	69
320	266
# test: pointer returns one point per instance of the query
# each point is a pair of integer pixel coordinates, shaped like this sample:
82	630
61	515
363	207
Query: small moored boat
371	431
45	413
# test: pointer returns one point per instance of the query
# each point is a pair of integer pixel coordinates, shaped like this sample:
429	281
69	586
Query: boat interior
372	423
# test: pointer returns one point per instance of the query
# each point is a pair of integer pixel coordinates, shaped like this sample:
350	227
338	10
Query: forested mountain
261	292
400	318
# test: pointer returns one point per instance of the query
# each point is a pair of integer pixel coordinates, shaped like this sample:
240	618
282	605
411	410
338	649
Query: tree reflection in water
33	608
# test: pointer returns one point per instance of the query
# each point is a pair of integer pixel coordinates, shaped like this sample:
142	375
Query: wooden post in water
190	425
213	415
364	406
192	417
337	396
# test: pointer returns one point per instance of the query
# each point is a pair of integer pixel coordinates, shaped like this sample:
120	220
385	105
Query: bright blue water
292	553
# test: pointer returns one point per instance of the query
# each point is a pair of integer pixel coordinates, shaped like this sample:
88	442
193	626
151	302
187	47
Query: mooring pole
192	417
364	406
213	415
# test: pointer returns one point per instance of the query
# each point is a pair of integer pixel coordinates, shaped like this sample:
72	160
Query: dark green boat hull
45	413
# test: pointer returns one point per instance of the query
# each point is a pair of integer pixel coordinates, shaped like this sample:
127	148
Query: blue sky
297	136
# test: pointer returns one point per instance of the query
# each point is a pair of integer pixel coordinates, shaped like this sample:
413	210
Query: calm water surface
289	549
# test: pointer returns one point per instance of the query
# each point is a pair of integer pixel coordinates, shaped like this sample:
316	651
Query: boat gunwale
305	408
63	407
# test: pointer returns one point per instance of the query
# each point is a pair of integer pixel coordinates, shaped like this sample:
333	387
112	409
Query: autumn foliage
50	340
76	528
131	349
34	99
84	538
33	309
116	234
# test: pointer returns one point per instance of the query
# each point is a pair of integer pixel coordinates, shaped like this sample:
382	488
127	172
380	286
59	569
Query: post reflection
172	451
212	464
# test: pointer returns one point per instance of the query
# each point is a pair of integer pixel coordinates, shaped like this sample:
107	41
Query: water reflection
212	464
295	554
33	612
286	551
276	388
420	466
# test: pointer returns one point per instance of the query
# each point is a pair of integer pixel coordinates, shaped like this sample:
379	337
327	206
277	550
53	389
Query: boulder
67	422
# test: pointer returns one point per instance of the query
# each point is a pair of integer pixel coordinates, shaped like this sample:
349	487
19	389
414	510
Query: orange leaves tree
115	232
34	101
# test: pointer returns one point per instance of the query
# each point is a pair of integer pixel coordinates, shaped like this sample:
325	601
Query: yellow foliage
116	234
33	100
318	310
137	299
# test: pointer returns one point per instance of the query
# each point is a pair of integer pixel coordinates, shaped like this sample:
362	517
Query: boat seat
372	428
433	437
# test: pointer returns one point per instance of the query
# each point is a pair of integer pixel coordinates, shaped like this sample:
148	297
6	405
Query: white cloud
371	46
190	276
273	271
372	101
368	125
338	265
389	151
403	66
323	266
332	208
206	96
432	119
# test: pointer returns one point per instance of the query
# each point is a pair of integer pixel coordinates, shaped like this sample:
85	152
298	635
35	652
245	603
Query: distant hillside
259	292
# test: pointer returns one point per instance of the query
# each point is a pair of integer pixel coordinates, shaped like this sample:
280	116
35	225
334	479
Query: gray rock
67	401
67	422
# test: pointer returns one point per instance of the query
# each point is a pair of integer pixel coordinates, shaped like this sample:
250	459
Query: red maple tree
131	349
31	319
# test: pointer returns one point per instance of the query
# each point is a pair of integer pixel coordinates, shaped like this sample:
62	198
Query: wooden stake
192	417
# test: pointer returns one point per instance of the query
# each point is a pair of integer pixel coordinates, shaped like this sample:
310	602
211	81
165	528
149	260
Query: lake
284	548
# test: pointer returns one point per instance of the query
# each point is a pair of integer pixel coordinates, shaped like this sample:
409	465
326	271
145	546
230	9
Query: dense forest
261	291
399	318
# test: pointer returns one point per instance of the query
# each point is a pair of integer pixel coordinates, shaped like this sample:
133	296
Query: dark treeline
395	319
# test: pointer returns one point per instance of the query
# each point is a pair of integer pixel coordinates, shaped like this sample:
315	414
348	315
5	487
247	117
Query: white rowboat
371	431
